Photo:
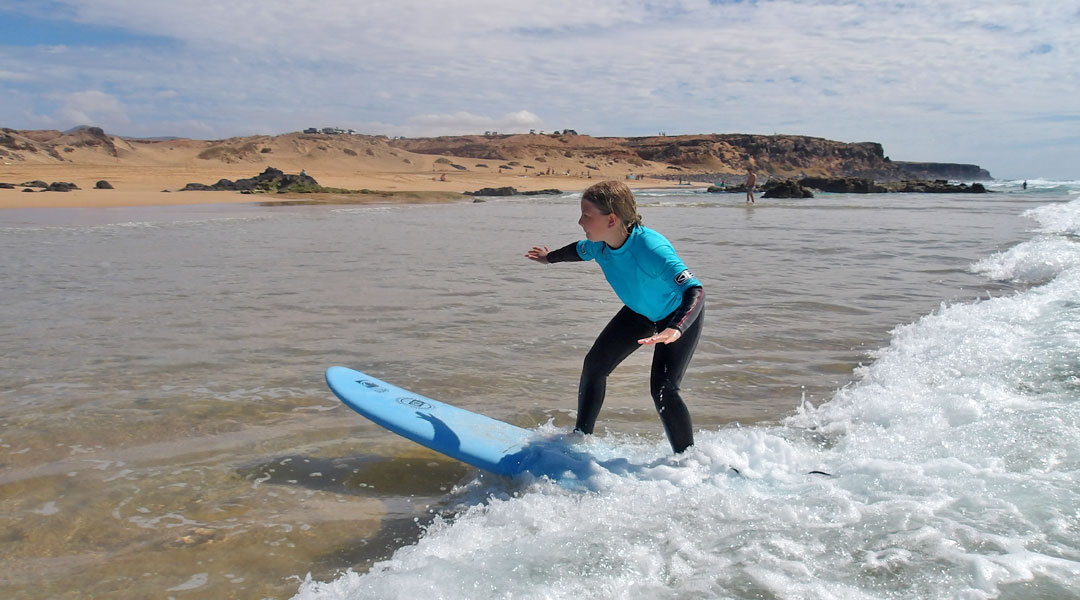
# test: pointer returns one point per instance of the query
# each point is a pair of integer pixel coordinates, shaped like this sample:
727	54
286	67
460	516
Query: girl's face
597	225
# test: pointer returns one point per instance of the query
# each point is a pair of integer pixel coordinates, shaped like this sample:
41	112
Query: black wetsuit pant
616	342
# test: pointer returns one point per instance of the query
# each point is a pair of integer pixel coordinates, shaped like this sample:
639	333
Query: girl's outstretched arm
538	253
541	254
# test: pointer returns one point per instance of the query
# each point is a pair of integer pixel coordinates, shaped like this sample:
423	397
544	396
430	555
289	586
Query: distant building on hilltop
330	131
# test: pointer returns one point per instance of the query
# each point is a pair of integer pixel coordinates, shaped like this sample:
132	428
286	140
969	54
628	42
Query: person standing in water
751	181
664	306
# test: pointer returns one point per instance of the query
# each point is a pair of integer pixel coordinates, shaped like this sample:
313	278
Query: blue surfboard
472	438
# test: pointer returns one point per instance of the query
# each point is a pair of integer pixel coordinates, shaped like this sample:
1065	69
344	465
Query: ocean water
886	399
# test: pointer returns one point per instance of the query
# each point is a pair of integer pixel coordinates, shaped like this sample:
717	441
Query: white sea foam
954	462
1045	257
1034	262
1058	218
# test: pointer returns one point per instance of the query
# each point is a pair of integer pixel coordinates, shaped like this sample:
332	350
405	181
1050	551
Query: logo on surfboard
414	403
371	385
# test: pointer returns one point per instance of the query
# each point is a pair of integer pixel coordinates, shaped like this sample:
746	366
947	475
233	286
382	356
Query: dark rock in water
501	191
61	186
786	188
7	186
476	200
843	185
103	185
28	189
546	192
719	189
939	186
37	183
856	185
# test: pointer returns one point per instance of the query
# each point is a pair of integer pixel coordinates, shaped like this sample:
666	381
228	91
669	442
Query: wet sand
150	186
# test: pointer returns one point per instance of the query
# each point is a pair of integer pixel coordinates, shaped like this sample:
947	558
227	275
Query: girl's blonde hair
614	197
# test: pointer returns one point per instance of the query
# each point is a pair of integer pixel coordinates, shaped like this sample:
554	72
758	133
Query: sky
989	82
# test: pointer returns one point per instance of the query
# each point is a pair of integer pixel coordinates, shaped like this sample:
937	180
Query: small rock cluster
56	186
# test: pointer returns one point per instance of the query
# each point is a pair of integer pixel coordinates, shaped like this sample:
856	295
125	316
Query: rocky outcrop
511	191
93	137
939	186
61	186
269	180
852	185
103	185
952	171
803	188
29	186
785	188
500	191
843	185
51	146
778	155
709	156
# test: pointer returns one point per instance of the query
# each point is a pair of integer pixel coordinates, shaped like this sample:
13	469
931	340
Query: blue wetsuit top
645	272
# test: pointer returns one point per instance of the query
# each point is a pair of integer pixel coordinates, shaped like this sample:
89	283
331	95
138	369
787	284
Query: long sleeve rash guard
646	274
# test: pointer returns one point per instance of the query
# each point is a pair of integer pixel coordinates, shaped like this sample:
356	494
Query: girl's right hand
538	253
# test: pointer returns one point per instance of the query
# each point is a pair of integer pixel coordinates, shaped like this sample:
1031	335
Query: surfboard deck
470	437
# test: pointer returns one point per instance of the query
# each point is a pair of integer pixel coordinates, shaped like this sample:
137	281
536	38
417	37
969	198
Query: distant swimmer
751	181
1025	184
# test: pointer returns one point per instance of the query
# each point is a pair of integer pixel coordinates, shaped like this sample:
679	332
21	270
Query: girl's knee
665	393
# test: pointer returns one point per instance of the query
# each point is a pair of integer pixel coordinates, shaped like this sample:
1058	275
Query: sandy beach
145	173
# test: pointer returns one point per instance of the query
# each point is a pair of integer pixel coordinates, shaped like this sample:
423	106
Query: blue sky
976	81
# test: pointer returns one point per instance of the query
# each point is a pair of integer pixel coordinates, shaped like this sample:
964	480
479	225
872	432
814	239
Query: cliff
784	155
956	172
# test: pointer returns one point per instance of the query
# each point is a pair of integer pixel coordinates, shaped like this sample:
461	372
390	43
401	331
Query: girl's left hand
666	336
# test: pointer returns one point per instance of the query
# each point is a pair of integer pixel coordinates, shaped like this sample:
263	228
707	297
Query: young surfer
663	306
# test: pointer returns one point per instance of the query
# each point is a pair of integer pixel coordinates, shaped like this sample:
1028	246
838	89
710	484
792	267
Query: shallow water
165	430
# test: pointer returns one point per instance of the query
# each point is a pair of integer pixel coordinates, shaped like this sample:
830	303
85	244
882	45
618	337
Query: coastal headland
99	169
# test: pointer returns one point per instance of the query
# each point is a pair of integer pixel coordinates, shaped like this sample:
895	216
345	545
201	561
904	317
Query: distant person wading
751	181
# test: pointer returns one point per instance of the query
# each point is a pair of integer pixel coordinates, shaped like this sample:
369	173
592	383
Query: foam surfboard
470	437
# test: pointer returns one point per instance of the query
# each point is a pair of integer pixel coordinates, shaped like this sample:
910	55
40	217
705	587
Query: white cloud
461	123
922	77
92	107
15	76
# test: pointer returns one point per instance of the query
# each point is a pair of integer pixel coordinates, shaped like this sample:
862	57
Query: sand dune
141	170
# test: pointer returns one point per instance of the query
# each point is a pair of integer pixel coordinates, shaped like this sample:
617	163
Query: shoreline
159	186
